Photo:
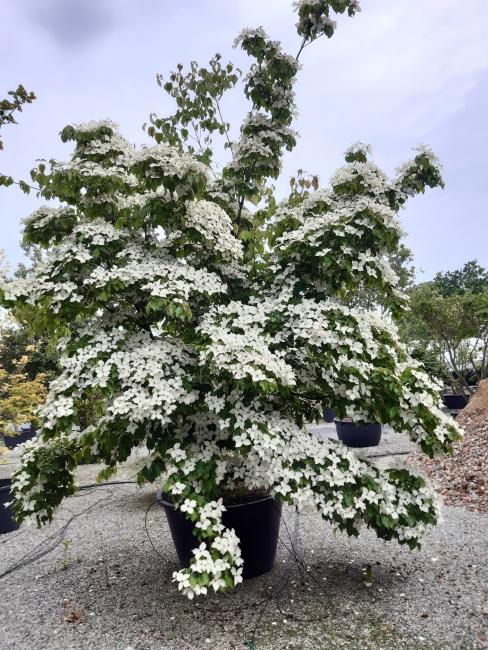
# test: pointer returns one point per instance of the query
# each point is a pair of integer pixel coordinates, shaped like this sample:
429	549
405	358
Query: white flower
188	506
178	488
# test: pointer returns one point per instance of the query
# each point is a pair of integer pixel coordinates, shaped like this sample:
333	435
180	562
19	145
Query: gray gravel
109	588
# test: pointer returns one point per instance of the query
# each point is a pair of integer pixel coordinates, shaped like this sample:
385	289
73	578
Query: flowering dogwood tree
213	330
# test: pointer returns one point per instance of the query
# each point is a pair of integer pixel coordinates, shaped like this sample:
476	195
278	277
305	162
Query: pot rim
359	424
162	501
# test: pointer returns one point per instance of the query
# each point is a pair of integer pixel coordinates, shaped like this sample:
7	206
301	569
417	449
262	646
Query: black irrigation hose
285	578
390	453
49	544
12	537
97	485
302	570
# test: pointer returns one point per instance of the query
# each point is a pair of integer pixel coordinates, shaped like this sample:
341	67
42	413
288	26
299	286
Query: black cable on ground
48	545
106	483
12	537
390	453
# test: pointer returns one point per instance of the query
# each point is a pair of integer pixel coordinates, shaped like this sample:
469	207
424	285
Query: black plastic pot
329	415
256	523
7	523
367	434
455	402
25	434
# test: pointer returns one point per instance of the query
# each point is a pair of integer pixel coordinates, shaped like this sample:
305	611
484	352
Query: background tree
451	327
471	278
19	398
38	346
16	341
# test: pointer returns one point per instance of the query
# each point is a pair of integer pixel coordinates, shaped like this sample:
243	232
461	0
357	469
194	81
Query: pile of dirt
462	479
478	404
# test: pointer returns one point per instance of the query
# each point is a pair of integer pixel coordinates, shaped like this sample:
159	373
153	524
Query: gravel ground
108	585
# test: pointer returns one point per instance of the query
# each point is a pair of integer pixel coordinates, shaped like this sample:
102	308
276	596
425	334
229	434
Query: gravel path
108	586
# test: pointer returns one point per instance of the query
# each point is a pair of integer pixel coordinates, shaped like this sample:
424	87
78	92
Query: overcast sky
399	73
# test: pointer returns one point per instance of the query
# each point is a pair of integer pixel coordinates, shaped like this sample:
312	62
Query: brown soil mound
478	404
462	479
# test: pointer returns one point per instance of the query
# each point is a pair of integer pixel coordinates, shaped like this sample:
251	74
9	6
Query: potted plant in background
358	434
328	414
210	327
448	318
455	401
7	521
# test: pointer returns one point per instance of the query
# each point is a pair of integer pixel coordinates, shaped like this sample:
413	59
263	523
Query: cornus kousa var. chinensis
214	320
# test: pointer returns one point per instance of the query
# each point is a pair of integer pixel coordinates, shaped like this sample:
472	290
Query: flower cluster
247	355
47	468
417	174
146	378
216	563
351	229
266	131
215	226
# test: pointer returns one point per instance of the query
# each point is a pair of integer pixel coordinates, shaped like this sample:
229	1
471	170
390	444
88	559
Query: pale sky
399	73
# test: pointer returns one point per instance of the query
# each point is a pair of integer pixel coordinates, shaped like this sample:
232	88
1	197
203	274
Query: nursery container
7	523
329	415
256	523
455	402
25	433
366	434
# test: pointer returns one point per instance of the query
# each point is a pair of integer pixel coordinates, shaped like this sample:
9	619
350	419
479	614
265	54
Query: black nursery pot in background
7	523
26	433
256	523
455	402
329	415
366	434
